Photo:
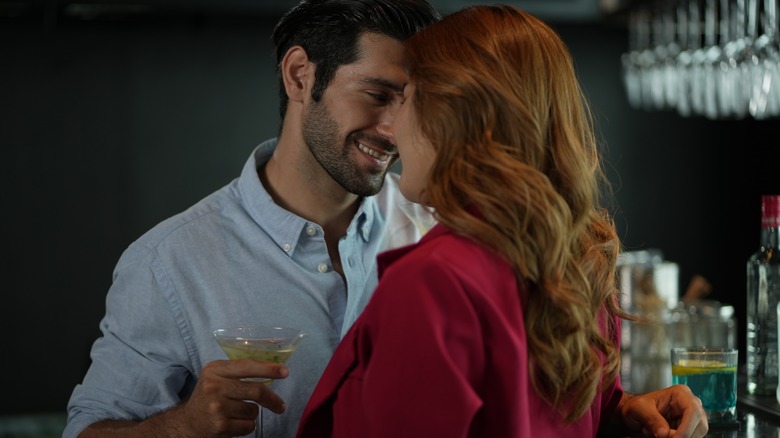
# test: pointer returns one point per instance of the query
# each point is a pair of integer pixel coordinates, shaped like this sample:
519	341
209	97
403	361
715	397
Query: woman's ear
297	71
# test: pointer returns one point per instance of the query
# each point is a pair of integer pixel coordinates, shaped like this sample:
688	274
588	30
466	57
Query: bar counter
759	417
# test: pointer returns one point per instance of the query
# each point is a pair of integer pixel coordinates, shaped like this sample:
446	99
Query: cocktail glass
260	343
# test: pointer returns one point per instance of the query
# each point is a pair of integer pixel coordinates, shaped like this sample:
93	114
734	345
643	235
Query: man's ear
297	73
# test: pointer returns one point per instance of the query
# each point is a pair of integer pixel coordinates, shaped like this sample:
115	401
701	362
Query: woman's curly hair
523	152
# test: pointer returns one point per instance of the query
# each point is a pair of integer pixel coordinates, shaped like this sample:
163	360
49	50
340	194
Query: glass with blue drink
711	373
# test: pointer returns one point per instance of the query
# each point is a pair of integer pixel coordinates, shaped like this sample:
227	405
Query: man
291	242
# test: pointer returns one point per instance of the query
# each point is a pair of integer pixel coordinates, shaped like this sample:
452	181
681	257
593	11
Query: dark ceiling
551	10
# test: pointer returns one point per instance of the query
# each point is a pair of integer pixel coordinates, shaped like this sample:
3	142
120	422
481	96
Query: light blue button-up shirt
234	258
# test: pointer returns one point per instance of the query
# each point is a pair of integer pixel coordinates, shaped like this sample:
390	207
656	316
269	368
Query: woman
503	320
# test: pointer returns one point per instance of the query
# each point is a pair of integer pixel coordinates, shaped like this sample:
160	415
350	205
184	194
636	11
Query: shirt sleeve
139	363
421	316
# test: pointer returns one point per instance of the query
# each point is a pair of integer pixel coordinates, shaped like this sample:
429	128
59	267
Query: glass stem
260	423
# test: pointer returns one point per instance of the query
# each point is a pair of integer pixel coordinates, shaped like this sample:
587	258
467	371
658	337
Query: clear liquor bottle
763	295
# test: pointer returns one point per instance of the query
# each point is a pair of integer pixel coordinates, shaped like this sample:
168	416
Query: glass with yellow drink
264	344
260	343
711	373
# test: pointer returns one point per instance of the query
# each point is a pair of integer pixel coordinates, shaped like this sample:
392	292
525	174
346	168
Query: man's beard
321	135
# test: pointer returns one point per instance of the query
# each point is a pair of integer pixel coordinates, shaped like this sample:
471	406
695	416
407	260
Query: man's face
349	130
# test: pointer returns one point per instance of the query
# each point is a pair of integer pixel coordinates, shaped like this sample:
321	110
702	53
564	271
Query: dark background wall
110	126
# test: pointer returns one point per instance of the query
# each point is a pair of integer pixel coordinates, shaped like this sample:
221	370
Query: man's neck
301	186
311	196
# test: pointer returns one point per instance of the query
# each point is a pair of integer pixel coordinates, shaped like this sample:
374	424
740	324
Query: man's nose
386	121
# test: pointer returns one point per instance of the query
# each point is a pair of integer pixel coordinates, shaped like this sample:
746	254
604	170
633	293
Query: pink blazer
440	351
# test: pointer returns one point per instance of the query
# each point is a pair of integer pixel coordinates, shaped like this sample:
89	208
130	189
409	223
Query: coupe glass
261	343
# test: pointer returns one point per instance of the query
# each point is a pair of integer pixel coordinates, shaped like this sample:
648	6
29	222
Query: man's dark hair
329	30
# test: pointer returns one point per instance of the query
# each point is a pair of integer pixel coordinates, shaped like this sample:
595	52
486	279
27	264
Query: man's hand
219	406
669	412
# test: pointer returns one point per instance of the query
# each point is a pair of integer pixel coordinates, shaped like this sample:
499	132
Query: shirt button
322	267
287	247
351	262
311	231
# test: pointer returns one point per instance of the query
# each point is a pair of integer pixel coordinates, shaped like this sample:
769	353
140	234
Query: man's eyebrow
384	83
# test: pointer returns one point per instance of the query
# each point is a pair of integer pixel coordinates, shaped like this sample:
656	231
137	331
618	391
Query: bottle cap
770	211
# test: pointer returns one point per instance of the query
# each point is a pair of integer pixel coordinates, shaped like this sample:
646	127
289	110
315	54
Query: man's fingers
247	368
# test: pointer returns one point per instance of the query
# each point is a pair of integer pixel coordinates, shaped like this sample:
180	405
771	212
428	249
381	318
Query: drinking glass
711	373
261	343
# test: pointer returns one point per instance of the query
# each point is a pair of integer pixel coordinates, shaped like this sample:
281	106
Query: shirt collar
387	258
363	220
